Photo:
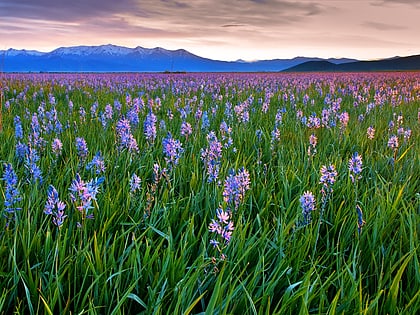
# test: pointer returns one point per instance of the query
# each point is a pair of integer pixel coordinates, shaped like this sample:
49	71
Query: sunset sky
219	29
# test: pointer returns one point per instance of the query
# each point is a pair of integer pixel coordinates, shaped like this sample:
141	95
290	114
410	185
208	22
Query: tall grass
149	251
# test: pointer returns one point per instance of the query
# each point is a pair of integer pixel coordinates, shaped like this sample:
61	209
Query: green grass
149	253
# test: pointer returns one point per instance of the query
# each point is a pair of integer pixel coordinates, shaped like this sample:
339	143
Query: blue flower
12	194
172	149
135	183
150	127
97	164
355	166
307	203
55	207
81	147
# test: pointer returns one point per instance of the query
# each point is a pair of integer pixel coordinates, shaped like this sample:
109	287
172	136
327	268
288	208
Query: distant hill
111	58
391	64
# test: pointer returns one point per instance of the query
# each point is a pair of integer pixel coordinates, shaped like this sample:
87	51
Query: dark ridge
410	63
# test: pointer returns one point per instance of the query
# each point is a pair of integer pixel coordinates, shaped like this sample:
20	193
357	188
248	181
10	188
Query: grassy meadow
210	193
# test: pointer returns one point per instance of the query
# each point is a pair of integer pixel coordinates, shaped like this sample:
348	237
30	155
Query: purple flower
355	166
172	149
214	243
223	226
135	183
307	203
236	186
205	123
313	140
55	207
328	175
211	156
81	147
186	129
18	128
344	119
125	137
12	194
393	142
313	122
32	168
150	127
97	164
57	146
83	193
21	151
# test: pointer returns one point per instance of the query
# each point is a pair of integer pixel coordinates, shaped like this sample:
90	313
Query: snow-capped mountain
112	58
107	50
21	52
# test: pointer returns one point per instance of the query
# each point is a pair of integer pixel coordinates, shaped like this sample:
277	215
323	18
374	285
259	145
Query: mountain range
112	58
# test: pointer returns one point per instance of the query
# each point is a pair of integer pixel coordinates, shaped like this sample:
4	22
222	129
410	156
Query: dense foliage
216	193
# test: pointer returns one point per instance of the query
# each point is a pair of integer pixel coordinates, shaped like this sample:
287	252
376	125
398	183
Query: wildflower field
210	193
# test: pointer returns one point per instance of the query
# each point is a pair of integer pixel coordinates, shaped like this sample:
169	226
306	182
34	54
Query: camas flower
57	146
125	137
223	226
12	194
97	164
81	147
211	156
370	133
393	142
328	176
32	168
135	183
236	186
186	129
55	207
150	127
83	193
18	128
307	203
355	166
172	149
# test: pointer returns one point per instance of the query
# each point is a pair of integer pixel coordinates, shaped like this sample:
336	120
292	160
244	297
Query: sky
219	29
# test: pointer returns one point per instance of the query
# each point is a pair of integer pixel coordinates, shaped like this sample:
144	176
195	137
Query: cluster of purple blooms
211	156
150	127
186	129
97	164
308	204
125	137
12	194
355	167
82	194
82	149
135	183
57	147
328	176
55	207
172	149
393	142
222	227
235	187
32	168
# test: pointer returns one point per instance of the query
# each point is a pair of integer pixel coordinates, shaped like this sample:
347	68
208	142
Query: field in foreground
215	193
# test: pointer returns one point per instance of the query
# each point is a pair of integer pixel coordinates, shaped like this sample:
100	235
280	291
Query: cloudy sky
219	29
